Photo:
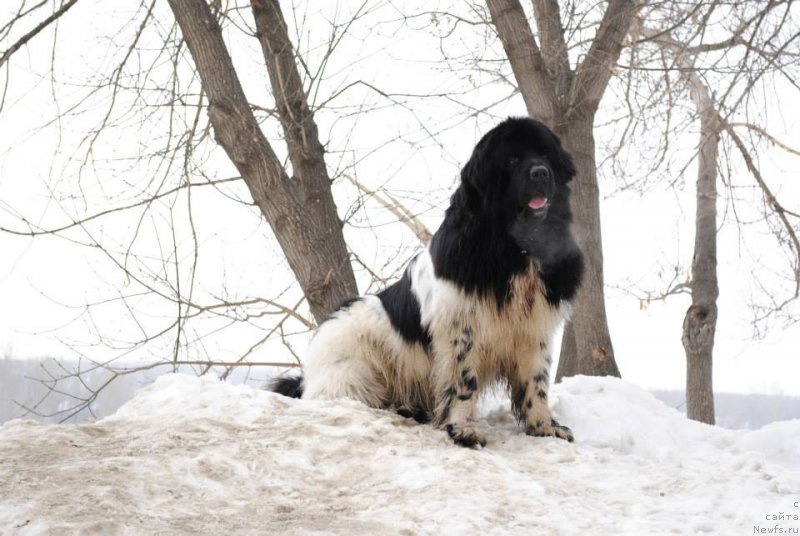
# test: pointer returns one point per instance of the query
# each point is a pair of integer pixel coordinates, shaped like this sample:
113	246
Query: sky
411	143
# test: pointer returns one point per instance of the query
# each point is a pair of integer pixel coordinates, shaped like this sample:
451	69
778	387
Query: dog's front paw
466	435
553	429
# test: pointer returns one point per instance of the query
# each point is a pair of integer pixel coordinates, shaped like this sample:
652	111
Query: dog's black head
511	210
517	176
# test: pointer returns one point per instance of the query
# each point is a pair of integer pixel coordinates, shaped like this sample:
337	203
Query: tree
700	321
699	325
157	248
568	99
765	35
311	239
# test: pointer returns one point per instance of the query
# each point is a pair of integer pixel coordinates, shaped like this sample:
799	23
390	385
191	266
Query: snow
195	455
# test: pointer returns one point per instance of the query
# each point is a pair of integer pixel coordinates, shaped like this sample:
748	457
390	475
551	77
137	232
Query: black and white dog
481	304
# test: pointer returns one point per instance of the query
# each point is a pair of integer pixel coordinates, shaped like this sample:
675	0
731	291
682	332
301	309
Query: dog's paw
466	436
553	429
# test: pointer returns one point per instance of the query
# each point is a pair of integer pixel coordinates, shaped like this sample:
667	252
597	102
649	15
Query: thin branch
593	74
33	33
767	135
82	221
771	201
394	206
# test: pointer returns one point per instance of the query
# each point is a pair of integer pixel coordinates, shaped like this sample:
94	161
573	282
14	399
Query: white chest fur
521	329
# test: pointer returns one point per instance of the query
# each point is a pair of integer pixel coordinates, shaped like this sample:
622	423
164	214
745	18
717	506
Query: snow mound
194	455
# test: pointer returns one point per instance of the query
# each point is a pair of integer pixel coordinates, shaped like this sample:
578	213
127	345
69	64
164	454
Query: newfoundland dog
480	305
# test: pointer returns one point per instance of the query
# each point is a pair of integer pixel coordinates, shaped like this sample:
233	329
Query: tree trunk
699	325
300	210
586	346
700	322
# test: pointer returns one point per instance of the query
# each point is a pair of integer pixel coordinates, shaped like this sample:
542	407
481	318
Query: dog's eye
513	161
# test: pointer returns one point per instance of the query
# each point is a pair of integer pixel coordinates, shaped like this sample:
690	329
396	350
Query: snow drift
195	455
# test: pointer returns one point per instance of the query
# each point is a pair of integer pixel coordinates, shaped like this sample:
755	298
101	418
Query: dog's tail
291	386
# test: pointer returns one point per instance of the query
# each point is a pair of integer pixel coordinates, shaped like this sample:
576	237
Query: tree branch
771	201
300	212
767	135
593	74
394	206
536	87
33	33
554	47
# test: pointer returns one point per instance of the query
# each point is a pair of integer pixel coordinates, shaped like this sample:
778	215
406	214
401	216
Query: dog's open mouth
537	203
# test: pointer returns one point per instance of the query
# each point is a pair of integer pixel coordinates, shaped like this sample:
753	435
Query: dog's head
517	176
519	168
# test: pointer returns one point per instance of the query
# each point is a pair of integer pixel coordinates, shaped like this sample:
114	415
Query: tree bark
586	346
699	324
555	54
300	210
534	83
568	101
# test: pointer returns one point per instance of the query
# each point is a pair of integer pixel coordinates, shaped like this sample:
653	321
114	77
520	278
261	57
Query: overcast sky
413	149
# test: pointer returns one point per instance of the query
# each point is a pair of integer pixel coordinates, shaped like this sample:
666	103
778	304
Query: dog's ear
564	165
473	175
467	198
469	194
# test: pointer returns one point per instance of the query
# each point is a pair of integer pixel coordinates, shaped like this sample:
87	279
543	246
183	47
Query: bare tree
699	325
300	209
700	322
765	35
292	193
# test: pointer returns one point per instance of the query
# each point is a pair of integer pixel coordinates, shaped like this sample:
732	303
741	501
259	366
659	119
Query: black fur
418	414
518	401
291	386
488	235
403	309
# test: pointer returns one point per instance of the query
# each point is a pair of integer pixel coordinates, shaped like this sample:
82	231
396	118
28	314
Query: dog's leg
456	384
529	386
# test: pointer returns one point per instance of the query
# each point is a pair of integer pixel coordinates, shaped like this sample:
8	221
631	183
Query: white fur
358	354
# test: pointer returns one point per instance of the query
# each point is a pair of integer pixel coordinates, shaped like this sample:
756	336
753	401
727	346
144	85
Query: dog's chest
450	313
524	320
525	291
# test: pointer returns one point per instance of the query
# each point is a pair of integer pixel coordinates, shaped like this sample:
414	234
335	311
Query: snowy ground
191	455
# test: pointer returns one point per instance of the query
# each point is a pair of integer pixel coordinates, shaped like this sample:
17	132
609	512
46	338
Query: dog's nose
538	173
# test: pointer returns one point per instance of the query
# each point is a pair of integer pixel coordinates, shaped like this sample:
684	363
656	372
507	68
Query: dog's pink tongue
537	202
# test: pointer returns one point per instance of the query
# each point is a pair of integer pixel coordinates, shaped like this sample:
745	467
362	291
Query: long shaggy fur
481	304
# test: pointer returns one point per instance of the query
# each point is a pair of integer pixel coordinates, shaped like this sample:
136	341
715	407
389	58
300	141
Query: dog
481	304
